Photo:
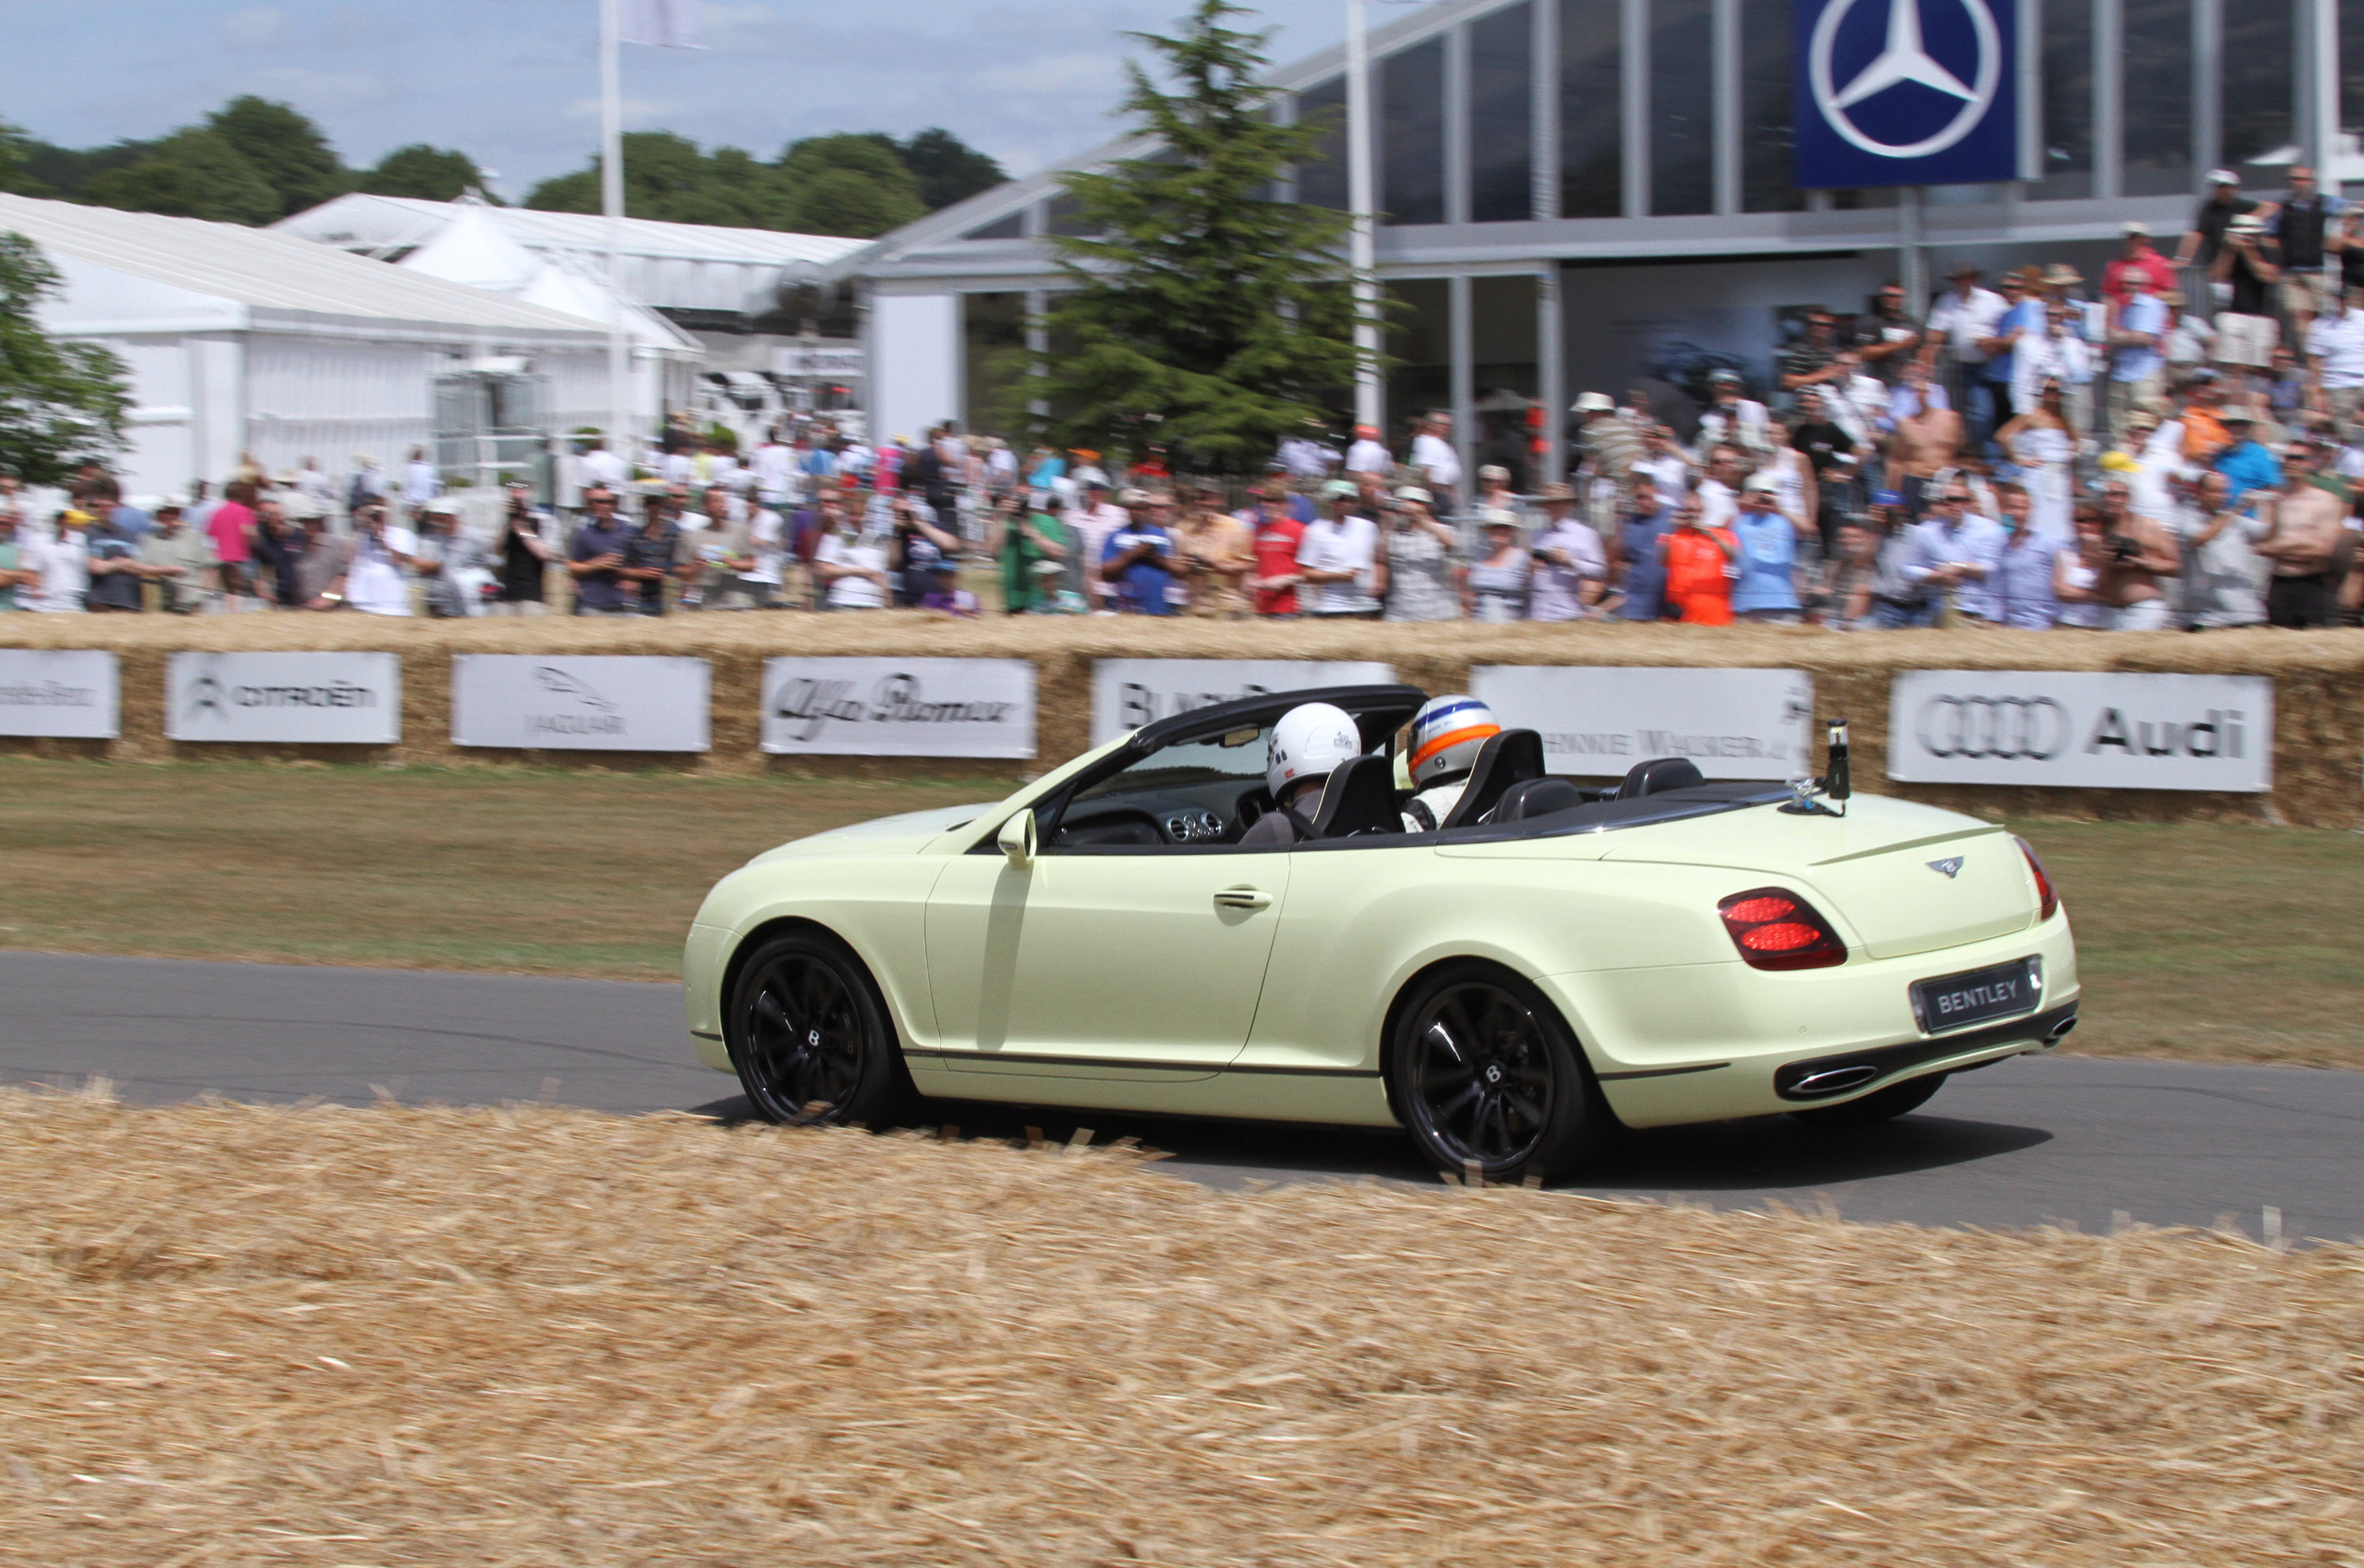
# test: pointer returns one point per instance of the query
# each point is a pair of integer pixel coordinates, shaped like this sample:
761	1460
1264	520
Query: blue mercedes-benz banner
1906	93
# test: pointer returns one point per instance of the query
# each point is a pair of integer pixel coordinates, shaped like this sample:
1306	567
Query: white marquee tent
247	340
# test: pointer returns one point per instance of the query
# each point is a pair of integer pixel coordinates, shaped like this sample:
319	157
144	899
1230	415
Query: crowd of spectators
2028	454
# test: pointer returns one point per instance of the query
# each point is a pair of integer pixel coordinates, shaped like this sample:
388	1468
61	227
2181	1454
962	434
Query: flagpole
1360	259
611	206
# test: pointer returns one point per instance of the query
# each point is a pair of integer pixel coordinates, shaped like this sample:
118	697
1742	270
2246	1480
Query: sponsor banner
1597	721
336	699
1906	93
67	692
591	703
1130	693
900	707
2082	731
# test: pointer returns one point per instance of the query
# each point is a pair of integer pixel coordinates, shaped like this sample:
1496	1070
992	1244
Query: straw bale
540	1336
2319	727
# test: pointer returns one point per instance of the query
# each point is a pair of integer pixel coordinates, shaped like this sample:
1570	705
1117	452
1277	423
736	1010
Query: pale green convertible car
1555	962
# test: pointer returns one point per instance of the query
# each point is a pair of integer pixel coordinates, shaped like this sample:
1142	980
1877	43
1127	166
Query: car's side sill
1662	1072
974	1060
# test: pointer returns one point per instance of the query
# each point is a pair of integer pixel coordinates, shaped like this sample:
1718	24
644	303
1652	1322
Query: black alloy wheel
810	1038
1484	1073
1881	1105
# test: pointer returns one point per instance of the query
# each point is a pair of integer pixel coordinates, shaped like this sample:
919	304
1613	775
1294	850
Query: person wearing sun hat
2248	263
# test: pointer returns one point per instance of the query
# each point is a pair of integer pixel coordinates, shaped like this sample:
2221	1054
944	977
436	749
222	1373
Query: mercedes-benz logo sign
2001	729
1902	59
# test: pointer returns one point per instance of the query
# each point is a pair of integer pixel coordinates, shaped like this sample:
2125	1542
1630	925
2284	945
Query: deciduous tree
60	403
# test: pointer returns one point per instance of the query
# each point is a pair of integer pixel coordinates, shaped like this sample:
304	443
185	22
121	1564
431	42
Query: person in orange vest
1701	563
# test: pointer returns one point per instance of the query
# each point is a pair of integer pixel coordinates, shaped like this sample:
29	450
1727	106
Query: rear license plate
1956	1001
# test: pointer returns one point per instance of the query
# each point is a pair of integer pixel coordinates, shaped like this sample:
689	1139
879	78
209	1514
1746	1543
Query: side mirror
1020	838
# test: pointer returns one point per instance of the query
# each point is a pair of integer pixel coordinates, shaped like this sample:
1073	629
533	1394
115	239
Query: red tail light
2043	889
1777	930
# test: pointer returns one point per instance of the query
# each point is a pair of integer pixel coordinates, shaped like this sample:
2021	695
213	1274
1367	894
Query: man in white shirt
1953	549
1336	554
1090	522
1570	563
61	558
377	580
604	469
1733	416
1369	454
1967	319
1664	463
421	484
775	468
1433	454
1719	493
1306	459
2334	353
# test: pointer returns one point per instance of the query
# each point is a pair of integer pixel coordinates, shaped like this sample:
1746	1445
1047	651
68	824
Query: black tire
1881	1105
810	1038
1483	1070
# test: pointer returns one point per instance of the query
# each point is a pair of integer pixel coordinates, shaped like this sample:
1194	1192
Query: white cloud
256	26
322	90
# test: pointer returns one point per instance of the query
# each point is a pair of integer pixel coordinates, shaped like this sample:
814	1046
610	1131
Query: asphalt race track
2028	1142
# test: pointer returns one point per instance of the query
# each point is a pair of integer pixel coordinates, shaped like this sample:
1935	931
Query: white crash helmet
1446	735
1309	742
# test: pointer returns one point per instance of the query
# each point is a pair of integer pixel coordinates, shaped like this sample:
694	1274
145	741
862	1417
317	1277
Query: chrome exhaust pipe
1833	1080
2060	1030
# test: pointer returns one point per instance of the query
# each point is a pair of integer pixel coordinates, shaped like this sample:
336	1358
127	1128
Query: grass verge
2201	942
539	1336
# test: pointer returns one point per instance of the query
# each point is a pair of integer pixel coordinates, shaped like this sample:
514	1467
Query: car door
1102	964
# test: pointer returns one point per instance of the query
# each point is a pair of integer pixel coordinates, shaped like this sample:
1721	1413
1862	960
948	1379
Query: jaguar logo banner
1906	93
581	703
2082	729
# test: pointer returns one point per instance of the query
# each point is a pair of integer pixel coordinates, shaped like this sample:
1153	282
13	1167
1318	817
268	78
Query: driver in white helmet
1307	744
1446	734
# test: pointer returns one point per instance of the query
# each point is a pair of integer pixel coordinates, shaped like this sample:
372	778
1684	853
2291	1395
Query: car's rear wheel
810	1038
1881	1105
1484	1073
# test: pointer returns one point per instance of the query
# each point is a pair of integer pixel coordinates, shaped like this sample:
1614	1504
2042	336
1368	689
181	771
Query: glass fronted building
1574	193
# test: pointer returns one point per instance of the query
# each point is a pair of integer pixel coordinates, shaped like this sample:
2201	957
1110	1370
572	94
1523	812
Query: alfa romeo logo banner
350	699
900	707
1130	693
1906	93
588	703
67	691
1597	721
2082	731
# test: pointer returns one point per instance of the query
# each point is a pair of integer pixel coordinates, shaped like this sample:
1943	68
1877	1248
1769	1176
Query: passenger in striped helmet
1446	735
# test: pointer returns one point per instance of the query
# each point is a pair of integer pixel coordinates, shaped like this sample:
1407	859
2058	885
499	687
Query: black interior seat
1359	799
1658	775
1536	797
1514	756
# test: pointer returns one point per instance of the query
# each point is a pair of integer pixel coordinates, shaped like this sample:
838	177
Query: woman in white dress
2041	442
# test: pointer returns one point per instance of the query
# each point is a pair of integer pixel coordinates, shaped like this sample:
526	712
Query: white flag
671	24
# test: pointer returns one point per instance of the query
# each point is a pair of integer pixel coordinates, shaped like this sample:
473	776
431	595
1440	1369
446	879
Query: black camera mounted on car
1835	786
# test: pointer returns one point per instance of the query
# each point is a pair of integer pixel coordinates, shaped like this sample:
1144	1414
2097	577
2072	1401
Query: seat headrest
1513	757
1359	799
1658	775
1536	797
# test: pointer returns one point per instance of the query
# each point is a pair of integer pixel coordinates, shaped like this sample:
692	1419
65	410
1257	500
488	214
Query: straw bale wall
2319	677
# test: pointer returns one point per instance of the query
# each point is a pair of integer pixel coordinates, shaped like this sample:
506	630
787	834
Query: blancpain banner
900	707
591	703
71	693
1597	722
2082	731
1130	693
337	699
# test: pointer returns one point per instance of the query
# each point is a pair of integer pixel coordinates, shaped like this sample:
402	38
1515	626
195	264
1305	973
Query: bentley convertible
1555	961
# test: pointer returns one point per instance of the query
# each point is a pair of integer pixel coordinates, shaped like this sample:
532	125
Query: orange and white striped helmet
1446	735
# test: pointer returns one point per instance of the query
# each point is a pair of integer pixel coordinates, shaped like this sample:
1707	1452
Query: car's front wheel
810	1038
1484	1073
1881	1105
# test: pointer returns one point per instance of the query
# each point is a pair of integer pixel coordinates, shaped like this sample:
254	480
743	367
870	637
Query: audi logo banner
2082	729
1597	722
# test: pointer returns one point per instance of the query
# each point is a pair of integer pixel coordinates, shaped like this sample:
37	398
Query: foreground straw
546	1337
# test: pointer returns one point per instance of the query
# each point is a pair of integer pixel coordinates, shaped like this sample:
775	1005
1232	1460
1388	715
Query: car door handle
1243	898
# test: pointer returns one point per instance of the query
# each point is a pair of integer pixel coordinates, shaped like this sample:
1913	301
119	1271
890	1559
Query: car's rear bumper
1711	1043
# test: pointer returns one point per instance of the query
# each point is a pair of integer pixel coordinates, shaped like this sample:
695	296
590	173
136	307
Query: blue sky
514	82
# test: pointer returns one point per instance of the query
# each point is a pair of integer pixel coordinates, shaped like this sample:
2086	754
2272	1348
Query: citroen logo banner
1906	93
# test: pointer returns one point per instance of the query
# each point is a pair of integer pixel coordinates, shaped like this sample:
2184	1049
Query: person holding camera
2136	554
524	557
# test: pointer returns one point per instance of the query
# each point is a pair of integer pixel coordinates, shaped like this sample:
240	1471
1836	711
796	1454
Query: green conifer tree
1200	312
